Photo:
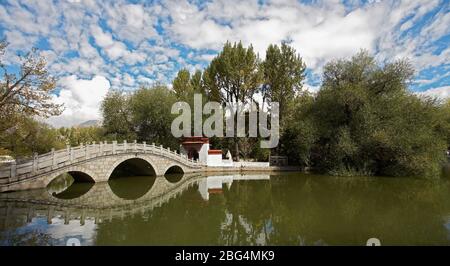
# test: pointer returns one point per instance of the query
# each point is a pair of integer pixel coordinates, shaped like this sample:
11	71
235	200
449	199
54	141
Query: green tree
196	82
299	134
117	116
233	76
74	136
29	136
152	117
182	85
284	73
368	122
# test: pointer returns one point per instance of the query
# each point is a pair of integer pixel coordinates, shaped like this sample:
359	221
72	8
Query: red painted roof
194	140
214	151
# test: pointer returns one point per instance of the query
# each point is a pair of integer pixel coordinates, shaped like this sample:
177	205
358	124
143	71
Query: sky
95	46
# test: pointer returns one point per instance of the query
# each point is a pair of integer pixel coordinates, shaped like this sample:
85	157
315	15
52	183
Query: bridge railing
11	172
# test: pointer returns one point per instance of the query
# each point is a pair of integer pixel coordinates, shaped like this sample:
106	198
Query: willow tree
233	76
368	121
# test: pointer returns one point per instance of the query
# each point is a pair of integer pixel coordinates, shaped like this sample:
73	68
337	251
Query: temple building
198	148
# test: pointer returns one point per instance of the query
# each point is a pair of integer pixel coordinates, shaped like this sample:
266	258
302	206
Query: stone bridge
99	203
92	162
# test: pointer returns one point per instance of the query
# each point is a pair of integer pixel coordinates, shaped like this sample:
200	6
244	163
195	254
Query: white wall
203	153
214	160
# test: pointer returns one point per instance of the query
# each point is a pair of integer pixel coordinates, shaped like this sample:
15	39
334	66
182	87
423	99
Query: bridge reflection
117	198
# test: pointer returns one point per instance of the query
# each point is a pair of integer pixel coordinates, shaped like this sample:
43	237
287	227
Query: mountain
90	123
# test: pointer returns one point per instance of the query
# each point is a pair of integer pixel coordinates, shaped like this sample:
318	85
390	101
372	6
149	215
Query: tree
368	122
152	117
30	136
446	119
75	136
299	134
196	82
144	115
29	91
182	85
117	115
284	73
233	76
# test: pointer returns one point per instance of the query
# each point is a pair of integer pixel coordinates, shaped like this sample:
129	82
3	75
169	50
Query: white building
198	148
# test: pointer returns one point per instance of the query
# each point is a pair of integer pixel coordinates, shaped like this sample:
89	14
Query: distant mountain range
90	123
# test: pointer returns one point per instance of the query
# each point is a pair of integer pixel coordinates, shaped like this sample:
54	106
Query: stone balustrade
56	159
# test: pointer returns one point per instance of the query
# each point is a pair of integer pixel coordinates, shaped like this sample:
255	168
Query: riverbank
252	168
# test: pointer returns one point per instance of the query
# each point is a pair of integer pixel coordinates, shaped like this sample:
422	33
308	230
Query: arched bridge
100	202
95	161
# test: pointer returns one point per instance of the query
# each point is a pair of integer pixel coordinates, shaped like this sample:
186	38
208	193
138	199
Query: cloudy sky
94	46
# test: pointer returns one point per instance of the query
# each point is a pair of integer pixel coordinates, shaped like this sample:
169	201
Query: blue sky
95	46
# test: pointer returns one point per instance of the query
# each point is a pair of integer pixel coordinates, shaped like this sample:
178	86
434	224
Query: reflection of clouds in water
447	226
61	231
56	233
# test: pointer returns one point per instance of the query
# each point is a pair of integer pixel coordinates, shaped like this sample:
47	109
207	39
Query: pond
230	209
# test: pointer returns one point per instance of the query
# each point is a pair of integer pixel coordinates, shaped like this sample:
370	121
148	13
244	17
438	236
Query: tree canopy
365	121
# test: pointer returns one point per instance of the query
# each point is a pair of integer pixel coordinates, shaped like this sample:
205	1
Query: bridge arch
174	169
79	174
132	165
173	173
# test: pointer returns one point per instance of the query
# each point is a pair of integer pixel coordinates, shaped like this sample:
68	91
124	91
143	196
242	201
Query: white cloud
81	99
139	43
132	22
440	93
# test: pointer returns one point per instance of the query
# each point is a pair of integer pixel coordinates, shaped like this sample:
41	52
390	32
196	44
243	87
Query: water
231	209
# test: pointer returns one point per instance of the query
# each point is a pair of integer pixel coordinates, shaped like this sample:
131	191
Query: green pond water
230	209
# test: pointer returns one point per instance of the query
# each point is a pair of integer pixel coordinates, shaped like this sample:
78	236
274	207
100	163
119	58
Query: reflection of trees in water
292	209
60	183
295	210
184	220
34	238
248	208
349	211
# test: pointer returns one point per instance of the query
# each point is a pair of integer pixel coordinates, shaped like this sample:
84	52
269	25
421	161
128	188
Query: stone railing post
144	145
100	148
135	145
114	146
94	148
86	151
53	158
125	146
35	162
71	154
68	153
